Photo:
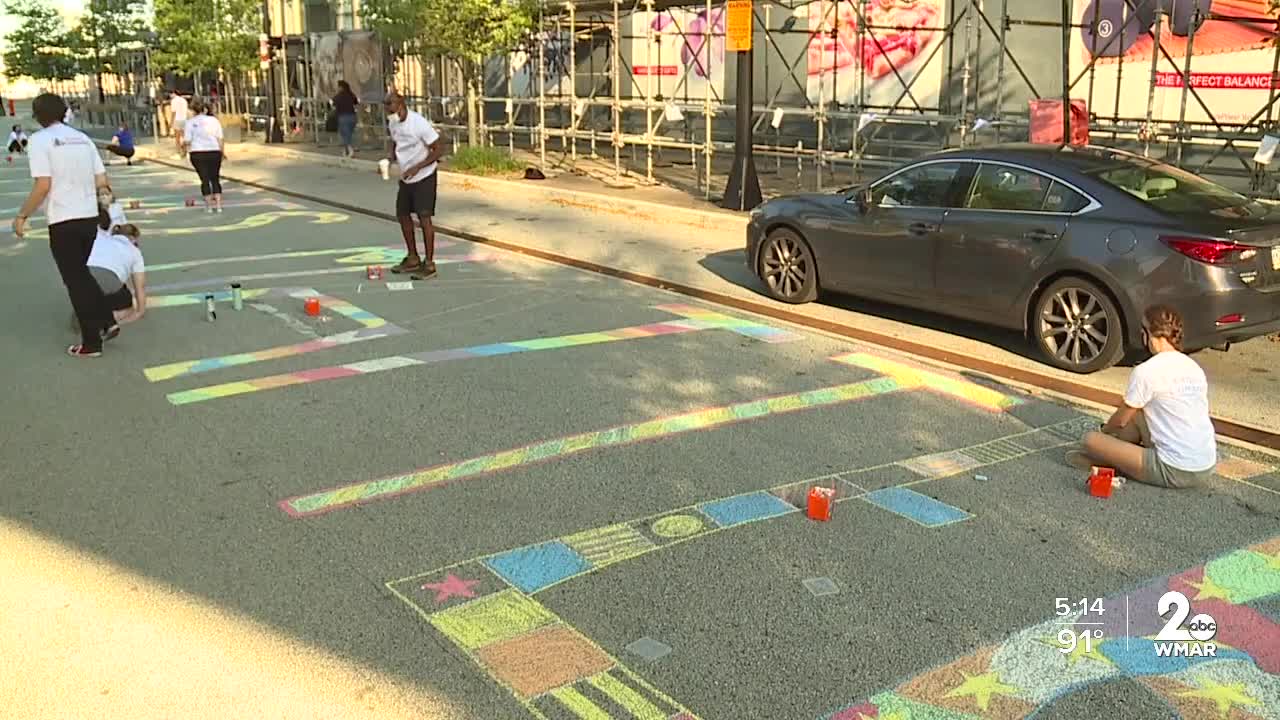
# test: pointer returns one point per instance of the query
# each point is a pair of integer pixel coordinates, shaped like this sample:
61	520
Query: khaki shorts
1158	473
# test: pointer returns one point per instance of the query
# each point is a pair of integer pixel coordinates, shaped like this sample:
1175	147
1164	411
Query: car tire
787	267
1077	327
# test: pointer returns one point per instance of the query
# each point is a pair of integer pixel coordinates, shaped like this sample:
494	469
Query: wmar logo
1175	640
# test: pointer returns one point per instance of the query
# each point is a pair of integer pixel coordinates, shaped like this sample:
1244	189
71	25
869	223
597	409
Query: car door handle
1040	235
922	228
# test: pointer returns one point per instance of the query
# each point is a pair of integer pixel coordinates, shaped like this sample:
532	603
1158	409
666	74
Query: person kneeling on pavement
1162	434
116	263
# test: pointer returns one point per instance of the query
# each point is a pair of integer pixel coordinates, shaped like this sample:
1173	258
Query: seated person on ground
17	140
116	263
1162	434
122	144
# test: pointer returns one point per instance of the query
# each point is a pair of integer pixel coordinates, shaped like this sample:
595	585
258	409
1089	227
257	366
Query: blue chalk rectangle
916	507
745	508
534	567
495	349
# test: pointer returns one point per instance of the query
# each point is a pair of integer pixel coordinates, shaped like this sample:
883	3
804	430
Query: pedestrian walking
122	144
415	147
203	142
67	170
178	110
1162	434
344	108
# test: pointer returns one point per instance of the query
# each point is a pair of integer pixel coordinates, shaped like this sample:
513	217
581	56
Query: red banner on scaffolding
1220	81
1046	122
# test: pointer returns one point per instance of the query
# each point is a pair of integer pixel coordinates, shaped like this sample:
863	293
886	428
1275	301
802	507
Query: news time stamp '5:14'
1070	641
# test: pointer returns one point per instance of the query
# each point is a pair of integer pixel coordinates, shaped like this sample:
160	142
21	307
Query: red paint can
820	501
312	306
1101	480
374	272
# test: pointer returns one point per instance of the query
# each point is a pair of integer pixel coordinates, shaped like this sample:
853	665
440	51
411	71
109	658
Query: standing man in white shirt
1162	434
178	108
67	170
415	147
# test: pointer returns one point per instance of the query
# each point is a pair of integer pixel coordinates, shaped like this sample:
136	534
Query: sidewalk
663	233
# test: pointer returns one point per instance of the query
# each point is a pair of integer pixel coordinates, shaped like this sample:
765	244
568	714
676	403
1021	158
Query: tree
39	47
198	35
106	30
465	31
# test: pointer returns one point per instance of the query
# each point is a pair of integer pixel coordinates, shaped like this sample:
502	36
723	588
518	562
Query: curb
463	182
1260	438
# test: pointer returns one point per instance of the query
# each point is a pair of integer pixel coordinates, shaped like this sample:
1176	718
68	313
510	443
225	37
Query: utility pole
743	191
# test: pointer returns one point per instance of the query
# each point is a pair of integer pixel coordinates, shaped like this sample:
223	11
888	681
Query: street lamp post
274	133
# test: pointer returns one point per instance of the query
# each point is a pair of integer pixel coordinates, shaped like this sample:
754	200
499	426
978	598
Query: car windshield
1179	192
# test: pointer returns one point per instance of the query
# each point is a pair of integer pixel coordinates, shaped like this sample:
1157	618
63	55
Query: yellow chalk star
1210	590
1273	561
981	687
1224	696
1079	652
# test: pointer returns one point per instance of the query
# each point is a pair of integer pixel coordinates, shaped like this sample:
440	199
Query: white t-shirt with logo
70	159
202	134
1173	394
117	254
412	136
178	104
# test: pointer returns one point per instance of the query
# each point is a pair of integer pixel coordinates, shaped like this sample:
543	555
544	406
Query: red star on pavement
453	586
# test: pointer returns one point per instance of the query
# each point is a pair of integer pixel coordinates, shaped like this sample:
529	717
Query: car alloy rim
786	265
1074	326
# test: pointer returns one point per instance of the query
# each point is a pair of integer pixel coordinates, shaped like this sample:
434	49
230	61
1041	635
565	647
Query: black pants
15	146
208	165
71	242
117	150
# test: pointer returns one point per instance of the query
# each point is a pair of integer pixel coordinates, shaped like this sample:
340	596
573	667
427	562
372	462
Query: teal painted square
916	507
534	567
495	349
745	508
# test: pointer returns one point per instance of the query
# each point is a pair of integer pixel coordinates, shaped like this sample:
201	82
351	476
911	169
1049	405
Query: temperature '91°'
1070	641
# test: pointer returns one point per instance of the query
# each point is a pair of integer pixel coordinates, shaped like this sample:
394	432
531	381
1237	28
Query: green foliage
483	161
200	35
39	47
106	30
469	30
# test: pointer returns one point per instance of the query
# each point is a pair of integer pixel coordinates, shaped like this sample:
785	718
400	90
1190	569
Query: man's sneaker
84	352
409	264
425	272
111	333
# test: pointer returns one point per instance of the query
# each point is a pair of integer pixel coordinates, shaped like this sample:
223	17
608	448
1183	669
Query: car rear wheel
1077	327
787	268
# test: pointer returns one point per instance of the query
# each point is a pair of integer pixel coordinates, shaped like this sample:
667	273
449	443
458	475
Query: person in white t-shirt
116	264
415	147
17	140
203	141
178	120
67	170
1162	434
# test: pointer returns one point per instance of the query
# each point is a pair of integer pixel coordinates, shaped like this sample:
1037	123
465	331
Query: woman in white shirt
17	140
203	142
1162	434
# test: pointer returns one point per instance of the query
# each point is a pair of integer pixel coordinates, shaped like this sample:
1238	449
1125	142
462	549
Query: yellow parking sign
738	24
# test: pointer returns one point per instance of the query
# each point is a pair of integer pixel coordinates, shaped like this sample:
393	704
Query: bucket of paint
312	306
237	297
1101	481
384	168
191	202
374	272
134	204
820	501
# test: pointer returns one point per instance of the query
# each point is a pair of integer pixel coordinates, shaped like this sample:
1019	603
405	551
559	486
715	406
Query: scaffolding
850	87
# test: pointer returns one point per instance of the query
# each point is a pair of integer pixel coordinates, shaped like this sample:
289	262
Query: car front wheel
1077	327
787	268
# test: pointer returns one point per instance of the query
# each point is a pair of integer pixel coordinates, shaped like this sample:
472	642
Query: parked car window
1001	187
1177	191
1062	199
922	186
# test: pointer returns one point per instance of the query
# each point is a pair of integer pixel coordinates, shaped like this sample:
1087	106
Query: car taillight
1212	252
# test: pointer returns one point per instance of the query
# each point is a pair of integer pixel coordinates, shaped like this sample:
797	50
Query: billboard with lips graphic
680	51
870	52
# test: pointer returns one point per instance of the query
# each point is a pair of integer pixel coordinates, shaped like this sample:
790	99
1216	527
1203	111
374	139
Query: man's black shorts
417	198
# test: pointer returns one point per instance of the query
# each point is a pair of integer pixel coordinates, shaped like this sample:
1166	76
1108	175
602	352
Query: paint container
209	313
237	297
191	202
134	204
820	501
374	272
1101	481
312	306
384	168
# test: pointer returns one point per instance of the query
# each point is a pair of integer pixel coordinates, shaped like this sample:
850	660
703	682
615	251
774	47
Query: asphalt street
524	490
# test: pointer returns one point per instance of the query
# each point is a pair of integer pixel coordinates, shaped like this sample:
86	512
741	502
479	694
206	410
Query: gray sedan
1068	245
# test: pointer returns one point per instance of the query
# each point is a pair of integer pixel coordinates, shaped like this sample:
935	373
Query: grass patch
483	161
